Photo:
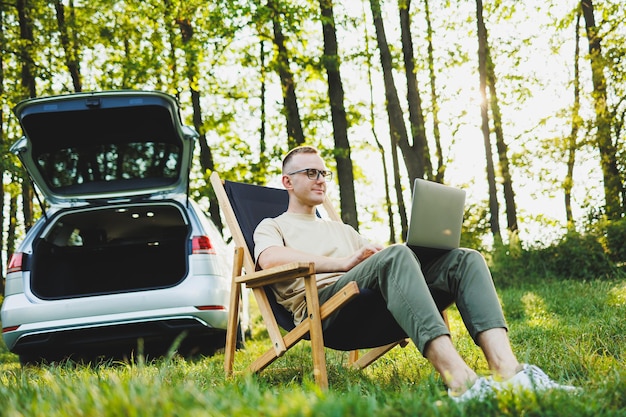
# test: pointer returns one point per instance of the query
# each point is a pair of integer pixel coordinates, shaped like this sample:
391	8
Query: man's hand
361	255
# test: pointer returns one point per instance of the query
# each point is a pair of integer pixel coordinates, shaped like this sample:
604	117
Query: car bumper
198	305
103	339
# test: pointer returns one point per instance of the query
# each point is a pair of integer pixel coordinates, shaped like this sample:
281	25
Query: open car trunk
111	250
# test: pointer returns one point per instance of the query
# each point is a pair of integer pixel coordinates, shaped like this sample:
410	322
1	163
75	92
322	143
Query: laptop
436	217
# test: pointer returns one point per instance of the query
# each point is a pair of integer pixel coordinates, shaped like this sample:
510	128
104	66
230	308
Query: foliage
572	329
575	256
612	235
148	44
475	226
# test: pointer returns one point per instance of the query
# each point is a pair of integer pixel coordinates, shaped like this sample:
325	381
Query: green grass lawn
575	331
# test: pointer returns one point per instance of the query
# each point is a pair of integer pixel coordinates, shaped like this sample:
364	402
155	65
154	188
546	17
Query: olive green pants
416	294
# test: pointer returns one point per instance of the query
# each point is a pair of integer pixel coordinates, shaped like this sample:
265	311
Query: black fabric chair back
253	203
363	323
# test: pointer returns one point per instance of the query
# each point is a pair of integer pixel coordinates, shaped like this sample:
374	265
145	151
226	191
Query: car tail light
15	263
201	244
9	329
205	308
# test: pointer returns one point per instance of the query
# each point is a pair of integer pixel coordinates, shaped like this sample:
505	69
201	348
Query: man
342	255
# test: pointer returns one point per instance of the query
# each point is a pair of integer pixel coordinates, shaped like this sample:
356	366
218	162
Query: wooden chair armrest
277	274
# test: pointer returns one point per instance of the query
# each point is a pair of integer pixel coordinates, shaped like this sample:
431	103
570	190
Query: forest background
520	103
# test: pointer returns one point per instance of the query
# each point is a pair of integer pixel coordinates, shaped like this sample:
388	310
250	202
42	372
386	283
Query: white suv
122	260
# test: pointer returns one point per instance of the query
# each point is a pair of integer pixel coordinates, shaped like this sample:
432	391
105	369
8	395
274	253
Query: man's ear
287	182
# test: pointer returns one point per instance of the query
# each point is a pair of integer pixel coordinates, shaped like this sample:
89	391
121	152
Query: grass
574	330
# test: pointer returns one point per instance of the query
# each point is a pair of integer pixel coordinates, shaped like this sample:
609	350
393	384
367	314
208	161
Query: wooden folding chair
361	321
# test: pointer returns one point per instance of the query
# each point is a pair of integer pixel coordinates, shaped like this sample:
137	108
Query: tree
416	116
397	130
262	96
72	56
501	146
2	142
192	46
191	62
568	182
613	187
494	209
441	168
332	64
28	87
381	149
295	134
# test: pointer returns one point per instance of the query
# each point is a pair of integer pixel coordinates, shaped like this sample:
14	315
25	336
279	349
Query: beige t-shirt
307	233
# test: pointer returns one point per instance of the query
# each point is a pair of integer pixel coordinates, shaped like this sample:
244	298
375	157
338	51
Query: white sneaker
531	378
480	390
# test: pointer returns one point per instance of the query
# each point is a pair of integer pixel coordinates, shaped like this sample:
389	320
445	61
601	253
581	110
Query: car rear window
108	149
69	168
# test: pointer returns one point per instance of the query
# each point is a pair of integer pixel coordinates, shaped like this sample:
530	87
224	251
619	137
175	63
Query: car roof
90	146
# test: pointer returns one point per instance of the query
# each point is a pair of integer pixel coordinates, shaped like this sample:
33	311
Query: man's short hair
298	150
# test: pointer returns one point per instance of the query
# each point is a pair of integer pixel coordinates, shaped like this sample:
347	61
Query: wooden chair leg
353	356
315	331
375	353
233	314
335	302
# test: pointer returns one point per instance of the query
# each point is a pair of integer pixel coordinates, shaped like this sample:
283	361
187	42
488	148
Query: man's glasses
313	174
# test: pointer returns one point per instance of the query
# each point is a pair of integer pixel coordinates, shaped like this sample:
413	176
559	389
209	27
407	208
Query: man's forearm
280	255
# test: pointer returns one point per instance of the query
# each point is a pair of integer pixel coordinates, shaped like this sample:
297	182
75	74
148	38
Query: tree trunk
388	206
4	261
262	134
501	146
332	64
381	149
441	167
72	60
404	223
491	176
171	37
397	127
2	146
28	90
613	187
416	116
12	226
206	157
572	145
295	134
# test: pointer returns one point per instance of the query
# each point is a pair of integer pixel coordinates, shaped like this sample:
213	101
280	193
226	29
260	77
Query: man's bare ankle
505	373
460	386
